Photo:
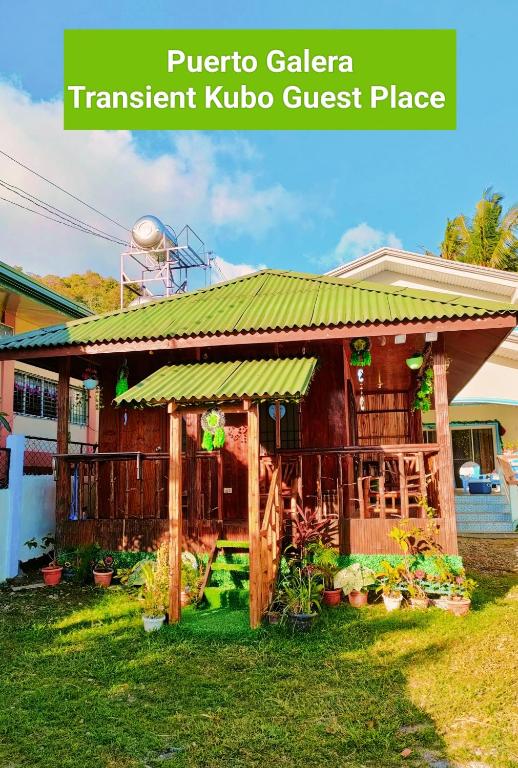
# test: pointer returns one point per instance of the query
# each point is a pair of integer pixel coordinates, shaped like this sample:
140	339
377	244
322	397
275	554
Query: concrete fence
26	510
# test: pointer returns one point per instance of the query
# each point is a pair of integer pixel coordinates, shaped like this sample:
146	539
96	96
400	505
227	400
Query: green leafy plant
424	391
325	559
460	587
300	592
104	565
391	579
354	578
154	594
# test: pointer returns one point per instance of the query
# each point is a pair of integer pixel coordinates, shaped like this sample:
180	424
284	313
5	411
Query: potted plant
52	571
460	590
391	582
301	591
325	560
69	572
418	598
155	589
103	572
354	581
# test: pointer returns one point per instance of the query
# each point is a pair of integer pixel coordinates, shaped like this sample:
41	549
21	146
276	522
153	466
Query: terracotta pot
419	603
332	597
458	607
392	603
358	599
153	623
440	602
52	575
103	578
274	617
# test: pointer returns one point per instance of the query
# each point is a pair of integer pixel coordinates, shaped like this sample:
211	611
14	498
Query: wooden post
277	425
62	469
254	523
445	457
175	513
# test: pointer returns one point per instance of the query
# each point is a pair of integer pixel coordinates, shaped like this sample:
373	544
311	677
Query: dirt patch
490	554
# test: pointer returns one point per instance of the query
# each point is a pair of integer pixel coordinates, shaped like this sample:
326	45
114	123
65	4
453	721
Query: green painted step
232	567
227	544
224	597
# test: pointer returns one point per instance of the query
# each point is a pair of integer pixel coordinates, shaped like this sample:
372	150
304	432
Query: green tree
98	293
489	239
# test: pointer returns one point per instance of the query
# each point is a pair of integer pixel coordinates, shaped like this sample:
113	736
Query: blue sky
288	198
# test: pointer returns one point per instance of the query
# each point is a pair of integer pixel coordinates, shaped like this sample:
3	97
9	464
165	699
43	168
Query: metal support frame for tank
163	271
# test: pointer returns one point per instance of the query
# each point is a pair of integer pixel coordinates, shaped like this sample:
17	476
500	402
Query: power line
65	191
58	221
23	193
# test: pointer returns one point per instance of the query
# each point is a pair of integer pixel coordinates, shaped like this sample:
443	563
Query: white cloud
210	183
227	270
359	240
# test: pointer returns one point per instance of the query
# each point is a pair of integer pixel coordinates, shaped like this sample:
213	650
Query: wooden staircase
222	561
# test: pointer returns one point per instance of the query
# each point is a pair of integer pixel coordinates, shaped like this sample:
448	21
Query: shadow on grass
491	588
210	690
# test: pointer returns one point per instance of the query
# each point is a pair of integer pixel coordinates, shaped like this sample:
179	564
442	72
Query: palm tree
488	239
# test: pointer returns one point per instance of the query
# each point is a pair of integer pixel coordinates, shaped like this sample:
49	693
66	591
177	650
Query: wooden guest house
242	404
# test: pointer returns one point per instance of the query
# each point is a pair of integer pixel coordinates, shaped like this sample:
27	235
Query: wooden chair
406	477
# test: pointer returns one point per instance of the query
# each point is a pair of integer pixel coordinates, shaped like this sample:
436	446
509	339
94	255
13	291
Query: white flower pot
392	603
152	623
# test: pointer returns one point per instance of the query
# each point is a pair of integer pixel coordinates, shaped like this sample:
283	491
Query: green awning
287	378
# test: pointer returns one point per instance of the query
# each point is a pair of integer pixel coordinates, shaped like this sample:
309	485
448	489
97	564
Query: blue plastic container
479	486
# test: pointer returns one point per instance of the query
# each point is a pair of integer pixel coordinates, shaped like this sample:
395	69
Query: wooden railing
271	536
110	486
368	488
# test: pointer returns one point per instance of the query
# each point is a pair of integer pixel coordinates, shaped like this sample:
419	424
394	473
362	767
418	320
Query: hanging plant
360	352
90	378
423	395
122	384
213	425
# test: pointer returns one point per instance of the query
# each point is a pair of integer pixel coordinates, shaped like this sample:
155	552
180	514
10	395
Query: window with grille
37	396
290	426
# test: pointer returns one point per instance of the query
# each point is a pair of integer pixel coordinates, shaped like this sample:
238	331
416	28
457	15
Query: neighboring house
29	394
484	415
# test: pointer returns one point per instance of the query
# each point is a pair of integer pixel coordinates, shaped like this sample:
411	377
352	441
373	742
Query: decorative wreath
122	384
360	352
213	425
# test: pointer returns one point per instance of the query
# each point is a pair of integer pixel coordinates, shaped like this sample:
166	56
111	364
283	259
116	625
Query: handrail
352	449
270	501
271	539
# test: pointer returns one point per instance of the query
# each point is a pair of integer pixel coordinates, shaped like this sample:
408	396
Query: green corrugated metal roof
212	382
17	282
267	300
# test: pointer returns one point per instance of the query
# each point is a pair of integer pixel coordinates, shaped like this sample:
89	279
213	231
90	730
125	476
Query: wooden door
235	469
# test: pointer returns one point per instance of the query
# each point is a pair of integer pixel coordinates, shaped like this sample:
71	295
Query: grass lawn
83	686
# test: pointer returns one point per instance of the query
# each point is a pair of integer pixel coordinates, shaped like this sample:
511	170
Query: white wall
26	511
37	513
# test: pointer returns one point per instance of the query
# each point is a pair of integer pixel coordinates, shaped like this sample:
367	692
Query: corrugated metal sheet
267	300
288	377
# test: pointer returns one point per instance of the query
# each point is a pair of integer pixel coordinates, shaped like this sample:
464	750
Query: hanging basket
90	378
415	361
213	425
360	352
